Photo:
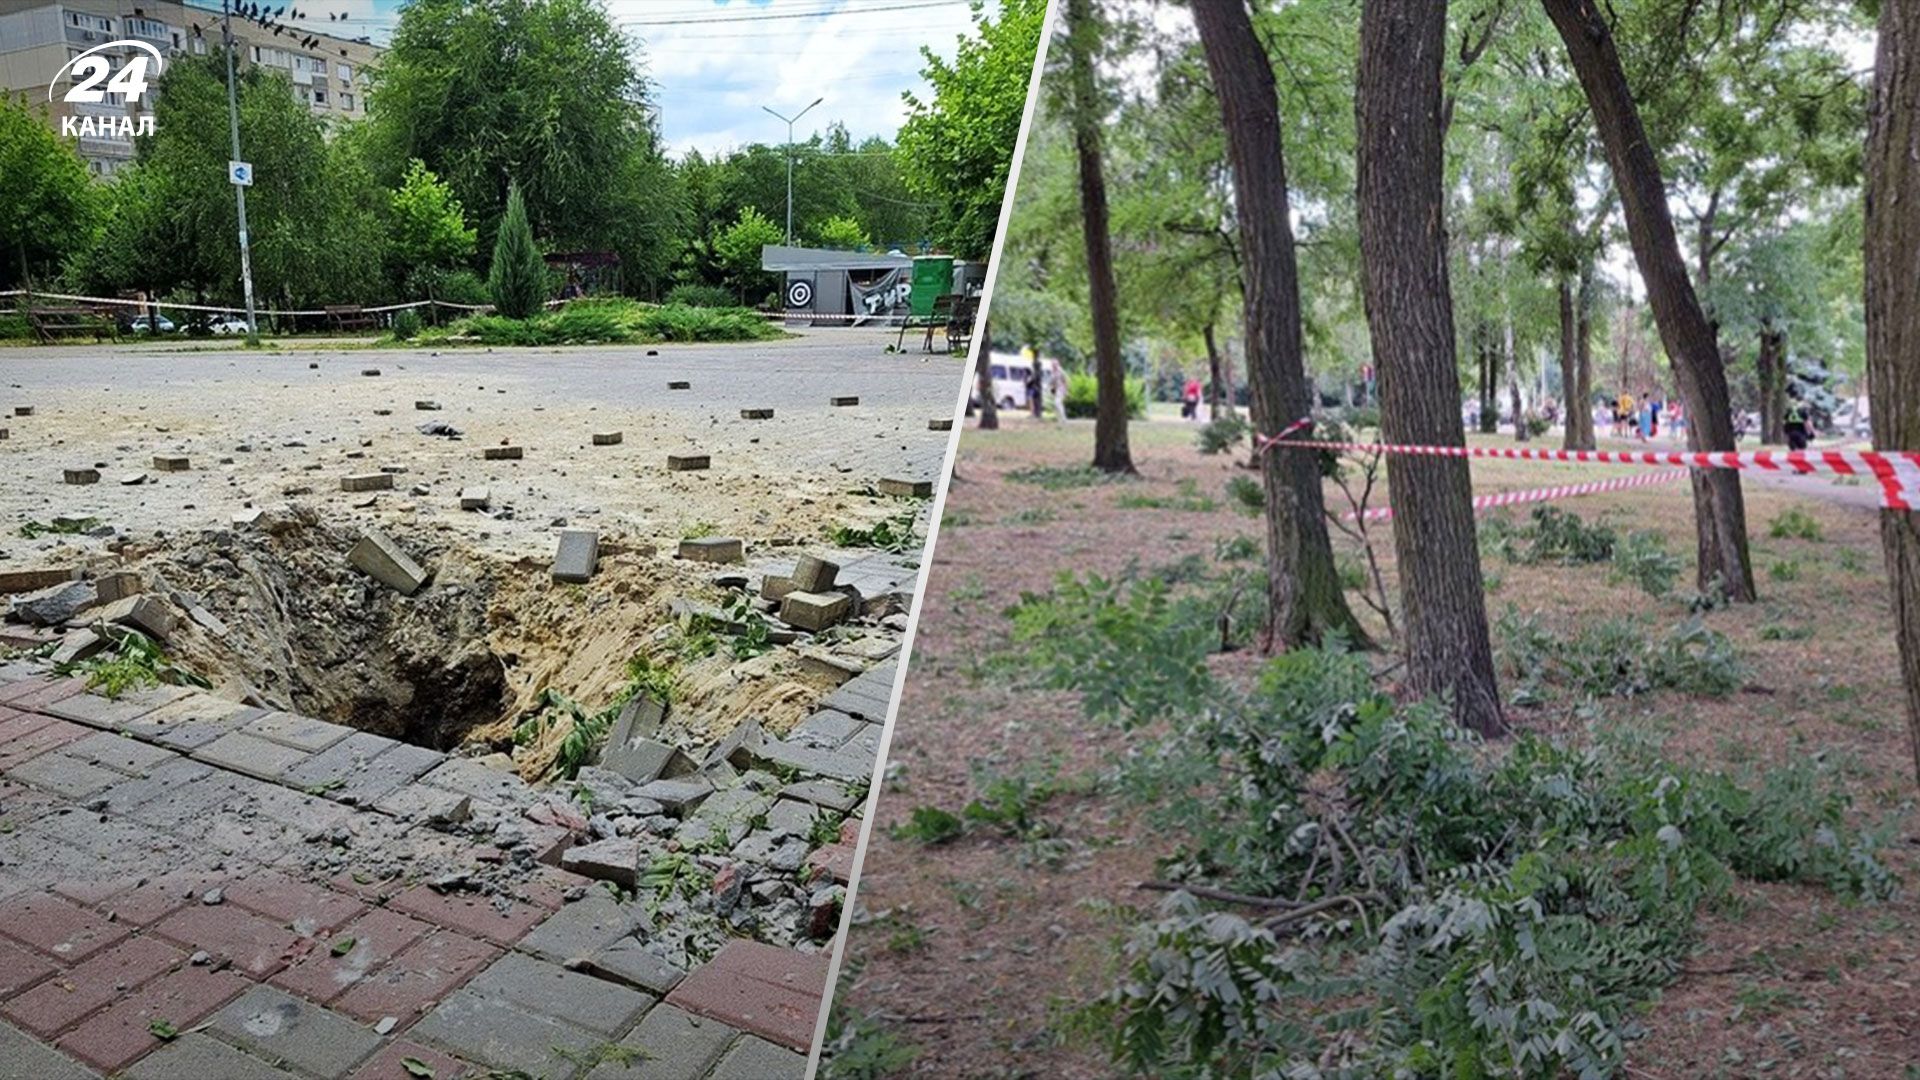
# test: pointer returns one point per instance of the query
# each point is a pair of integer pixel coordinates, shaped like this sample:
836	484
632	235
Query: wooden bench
350	317
937	319
50	322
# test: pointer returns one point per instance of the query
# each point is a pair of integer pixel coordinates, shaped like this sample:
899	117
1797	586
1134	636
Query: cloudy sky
714	63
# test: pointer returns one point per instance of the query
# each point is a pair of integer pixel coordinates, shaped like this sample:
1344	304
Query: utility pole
790	122
239	190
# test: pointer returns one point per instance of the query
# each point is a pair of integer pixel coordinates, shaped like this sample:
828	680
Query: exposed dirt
971	950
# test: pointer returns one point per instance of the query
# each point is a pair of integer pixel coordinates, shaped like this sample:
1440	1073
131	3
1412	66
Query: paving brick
21	968
422	974
65	775
505	1036
468	777
196	800
628	960
815	611
62	1000
552	990
713	549
149	900
688	462
195	1056
25	1056
672	1044
577	555
580	929
834	861
372	481
380	557
774	993
807	759
49	692
496	918
167	776
761	1060
65	931
35	738
113	713
119	753
282	1028
251	943
111	1038
376	938
251	755
388	1063
423	802
191	722
825	729
299	732
307	909
824	793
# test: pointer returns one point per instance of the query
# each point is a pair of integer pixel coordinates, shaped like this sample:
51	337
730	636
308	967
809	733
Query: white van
1010	372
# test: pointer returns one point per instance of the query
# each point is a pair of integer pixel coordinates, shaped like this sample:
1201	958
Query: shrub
518	279
453	286
1794	523
406	324
1553	535
1222	433
1083	393
1247	496
1643	559
14	327
677	322
701	296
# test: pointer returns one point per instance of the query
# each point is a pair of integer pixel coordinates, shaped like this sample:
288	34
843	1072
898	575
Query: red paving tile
378	936
255	946
118	1035
774	993
471	914
65	931
14	724
426	972
386	1065
21	968
151	900
49	692
835	860
39	739
306	909
53	1005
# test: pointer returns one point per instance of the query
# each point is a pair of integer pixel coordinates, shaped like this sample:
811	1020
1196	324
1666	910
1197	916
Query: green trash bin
932	278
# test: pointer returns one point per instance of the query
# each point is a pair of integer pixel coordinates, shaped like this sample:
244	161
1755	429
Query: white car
145	324
1009	381
226	324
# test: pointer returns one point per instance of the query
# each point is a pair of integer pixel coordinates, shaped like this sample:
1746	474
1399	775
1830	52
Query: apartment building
38	37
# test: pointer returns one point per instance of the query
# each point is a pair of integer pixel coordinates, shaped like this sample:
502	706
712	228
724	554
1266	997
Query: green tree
737	249
956	149
842	232
427	226
518	279
51	207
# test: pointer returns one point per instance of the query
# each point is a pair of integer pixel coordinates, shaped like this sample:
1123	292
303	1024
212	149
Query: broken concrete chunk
714	549
134	479
840	401
680	385
577	556
640	718
379	557
616	860
814	575
815	610
756	414
77	646
171	463
146	613
503	453
645	760
427	406
475	498
372	481
607	438
55	605
775	586
16	581
679	797
82	476
687	462
370	372
906	489
23	410
739	747
940	423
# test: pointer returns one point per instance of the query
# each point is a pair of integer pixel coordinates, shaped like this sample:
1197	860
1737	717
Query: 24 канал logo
95	82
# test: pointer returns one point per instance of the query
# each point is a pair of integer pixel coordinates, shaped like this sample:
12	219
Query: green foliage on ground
1643	559
893	534
1795	523
605	322
1083	392
1222	433
1425	905
132	662
1620	657
1551	535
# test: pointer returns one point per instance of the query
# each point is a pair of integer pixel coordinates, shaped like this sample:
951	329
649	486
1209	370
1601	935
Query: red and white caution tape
1545	494
1896	471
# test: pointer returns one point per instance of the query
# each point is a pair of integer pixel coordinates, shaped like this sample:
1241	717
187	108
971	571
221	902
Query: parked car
1853	418
1009	381
147	324
226	324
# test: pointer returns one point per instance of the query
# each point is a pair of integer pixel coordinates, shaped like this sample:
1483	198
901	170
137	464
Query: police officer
1795	425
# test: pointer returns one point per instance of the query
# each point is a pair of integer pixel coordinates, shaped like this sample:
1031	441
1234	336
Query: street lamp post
790	120
239	190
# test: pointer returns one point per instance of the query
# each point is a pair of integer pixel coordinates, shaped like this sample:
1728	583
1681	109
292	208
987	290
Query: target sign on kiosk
799	293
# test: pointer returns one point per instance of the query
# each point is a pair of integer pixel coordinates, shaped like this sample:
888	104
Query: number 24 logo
91	69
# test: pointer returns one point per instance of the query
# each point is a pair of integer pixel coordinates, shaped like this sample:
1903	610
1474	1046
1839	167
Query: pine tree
518	280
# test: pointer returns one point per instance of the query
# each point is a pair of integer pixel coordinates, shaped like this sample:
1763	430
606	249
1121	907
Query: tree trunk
983	383
1110	452
1489	377
1219	401
1772	367
1304	600
1578	392
1403	247
1511	357
1720	513
1893	310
